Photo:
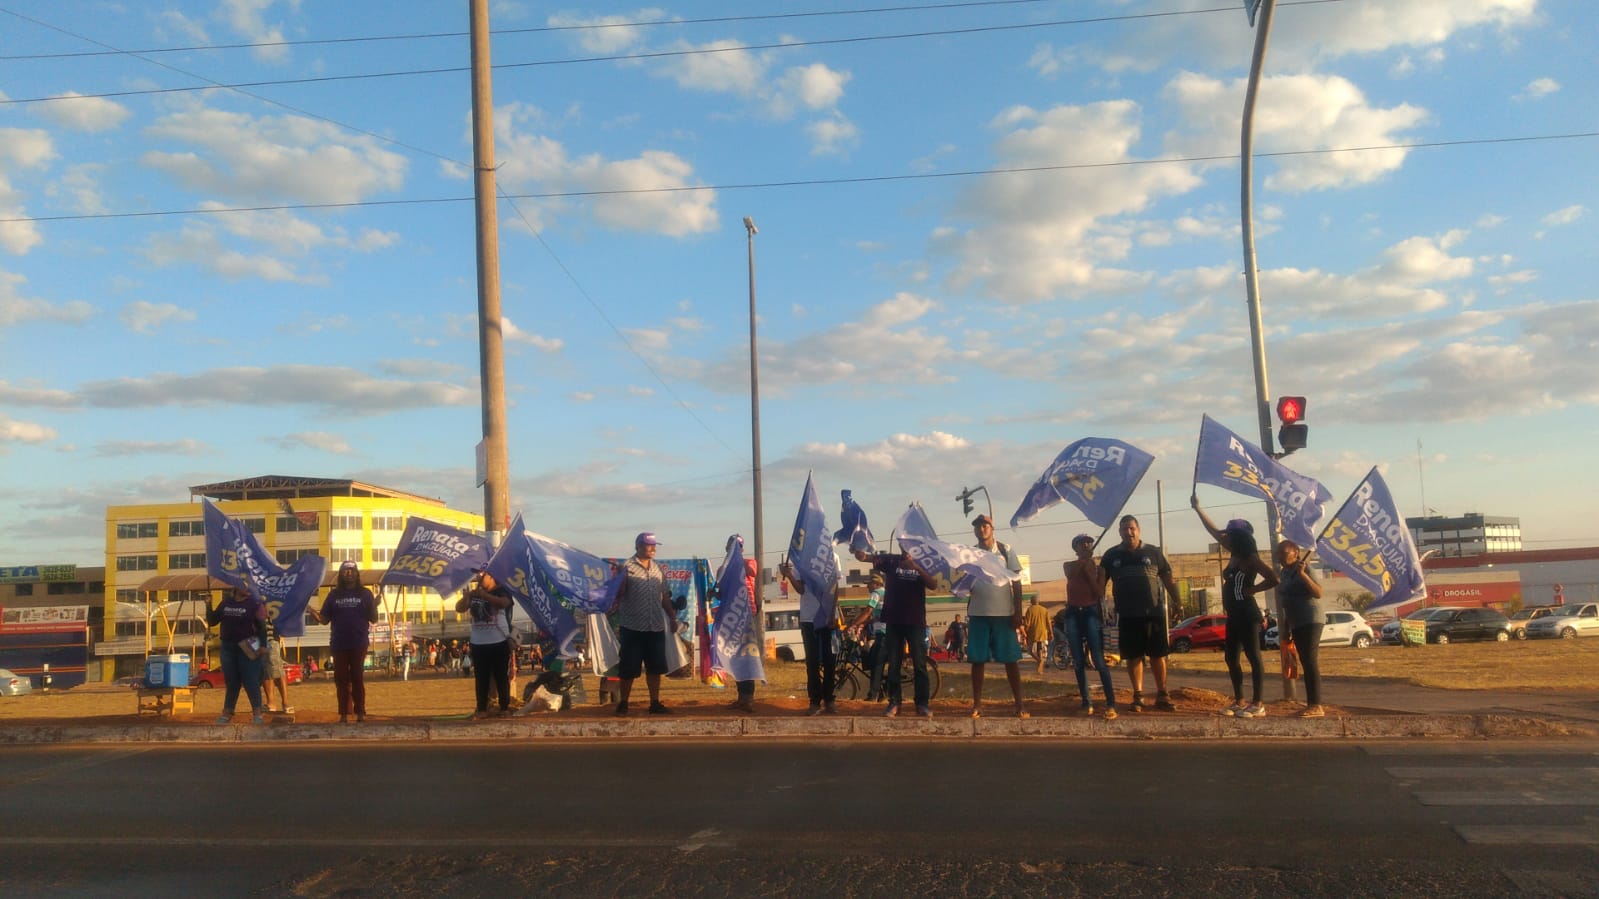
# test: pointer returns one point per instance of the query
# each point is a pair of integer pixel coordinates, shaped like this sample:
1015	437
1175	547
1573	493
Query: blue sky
930	317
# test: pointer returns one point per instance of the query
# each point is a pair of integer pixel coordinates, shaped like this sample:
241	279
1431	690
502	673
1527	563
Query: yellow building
156	582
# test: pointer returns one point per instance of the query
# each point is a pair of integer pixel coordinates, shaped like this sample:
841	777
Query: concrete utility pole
491	346
755	433
1252	284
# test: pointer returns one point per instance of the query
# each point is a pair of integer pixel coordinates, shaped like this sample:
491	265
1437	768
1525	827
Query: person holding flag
905	617
1298	593
488	605
818	617
1245	576
1085	622
240	620
994	612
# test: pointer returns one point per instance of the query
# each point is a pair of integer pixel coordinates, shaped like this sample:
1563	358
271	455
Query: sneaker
658	709
747	706
1164	703
828	708
893	711
1138	702
1088	709
1110	713
1255	710
258	718
1314	711
621	710
225	719
1233	710
813	711
923	711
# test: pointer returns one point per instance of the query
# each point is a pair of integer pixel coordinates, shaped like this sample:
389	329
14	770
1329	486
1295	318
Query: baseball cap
982	519
1082	538
1240	524
349	566
646	538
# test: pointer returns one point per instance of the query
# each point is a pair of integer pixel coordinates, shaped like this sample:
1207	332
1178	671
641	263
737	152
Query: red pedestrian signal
1292	435
1290	409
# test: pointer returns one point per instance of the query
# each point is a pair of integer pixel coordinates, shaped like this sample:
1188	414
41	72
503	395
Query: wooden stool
167	701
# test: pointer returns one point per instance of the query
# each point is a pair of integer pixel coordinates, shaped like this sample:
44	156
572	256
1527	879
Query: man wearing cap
993	613
350	610
1137	572
1084	620
643	607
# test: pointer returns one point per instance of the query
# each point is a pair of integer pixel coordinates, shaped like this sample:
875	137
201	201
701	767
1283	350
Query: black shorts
640	649
1143	638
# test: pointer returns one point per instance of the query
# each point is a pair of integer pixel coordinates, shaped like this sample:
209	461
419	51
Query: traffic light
1293	434
965	496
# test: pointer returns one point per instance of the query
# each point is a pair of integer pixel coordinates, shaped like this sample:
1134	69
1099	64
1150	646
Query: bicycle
852	678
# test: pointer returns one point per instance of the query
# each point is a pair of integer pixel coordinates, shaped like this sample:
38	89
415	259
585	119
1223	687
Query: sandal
1138	702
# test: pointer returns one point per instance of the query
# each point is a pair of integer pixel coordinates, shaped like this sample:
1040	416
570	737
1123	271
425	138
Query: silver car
14	684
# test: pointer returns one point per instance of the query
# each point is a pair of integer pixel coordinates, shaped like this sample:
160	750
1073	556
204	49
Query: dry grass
1534	664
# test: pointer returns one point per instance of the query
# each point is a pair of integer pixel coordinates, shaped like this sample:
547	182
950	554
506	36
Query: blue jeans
239	670
914	636
1085	629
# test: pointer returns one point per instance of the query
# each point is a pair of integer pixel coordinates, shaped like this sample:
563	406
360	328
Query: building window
65	587
290	556
130	628
127	596
136	563
347	554
382	555
136	529
188	596
186	528
24	589
183	561
254	525
388	523
291	523
345	522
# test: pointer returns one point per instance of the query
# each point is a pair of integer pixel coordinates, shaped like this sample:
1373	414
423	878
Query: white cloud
1538	88
722	66
20	148
832	135
317	440
14	431
272	159
80	113
333	390
608	35
516	335
1565	216
111	449
816	85
78	188
199	244
16	309
143	317
248	19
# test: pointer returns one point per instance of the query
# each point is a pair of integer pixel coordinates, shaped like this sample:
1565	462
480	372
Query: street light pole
755	423
1257	338
491	340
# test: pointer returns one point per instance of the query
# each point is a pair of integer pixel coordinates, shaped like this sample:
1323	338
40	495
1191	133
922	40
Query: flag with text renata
1096	474
956	567
735	643
234	556
1368	541
1228	460
515	565
437	556
810	553
854	529
585	580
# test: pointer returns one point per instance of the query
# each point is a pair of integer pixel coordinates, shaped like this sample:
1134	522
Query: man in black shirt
1136	572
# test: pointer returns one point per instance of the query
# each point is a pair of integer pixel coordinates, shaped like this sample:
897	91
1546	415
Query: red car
292	674
1199	632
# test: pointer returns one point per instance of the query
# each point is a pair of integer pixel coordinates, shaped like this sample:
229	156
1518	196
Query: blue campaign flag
234	556
1367	540
1095	474
855	531
1228	460
810	553
587	581
735	644
437	556
516	565
956	567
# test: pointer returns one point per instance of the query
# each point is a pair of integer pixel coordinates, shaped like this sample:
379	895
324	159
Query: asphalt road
816	818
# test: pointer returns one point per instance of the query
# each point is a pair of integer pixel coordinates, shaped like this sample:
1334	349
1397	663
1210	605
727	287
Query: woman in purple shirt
351	610
240	620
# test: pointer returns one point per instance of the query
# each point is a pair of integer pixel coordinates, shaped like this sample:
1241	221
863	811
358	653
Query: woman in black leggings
1246	574
1302	618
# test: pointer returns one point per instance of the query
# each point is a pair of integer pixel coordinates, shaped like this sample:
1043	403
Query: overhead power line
817	182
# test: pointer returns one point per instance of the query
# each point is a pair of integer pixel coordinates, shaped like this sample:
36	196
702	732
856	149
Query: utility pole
491	339
755	436
1252	281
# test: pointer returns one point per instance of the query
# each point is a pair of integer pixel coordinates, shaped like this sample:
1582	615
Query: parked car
1478	623
212	677
1390	631
14	684
1340	628
1567	621
1199	632
1524	617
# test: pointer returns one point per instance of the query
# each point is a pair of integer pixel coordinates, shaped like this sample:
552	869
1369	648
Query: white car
1567	621
1340	628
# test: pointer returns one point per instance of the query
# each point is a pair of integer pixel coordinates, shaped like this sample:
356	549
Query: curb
1127	727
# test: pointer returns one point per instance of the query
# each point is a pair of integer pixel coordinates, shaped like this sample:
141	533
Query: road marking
1506	797
1534	834
700	839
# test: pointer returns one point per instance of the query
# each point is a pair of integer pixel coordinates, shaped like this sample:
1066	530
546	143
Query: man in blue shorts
1136	572
993	614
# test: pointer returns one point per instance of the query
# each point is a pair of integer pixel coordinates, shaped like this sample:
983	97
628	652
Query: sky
237	239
